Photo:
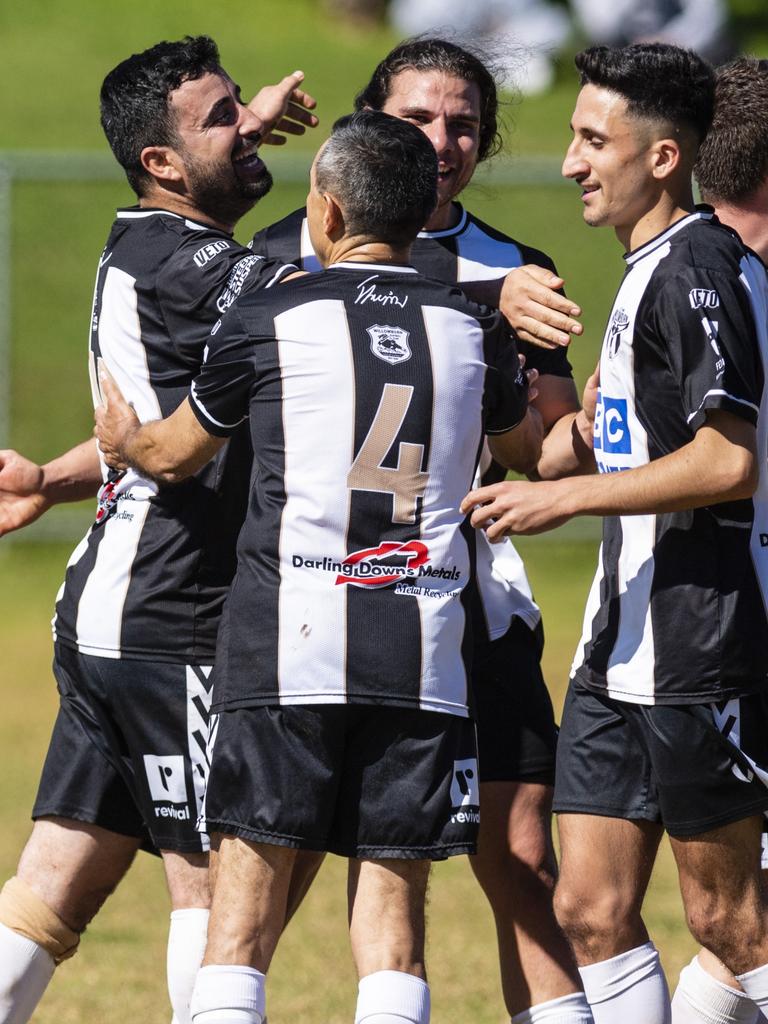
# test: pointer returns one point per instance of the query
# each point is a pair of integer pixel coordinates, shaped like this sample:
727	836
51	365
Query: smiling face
218	140
447	110
612	158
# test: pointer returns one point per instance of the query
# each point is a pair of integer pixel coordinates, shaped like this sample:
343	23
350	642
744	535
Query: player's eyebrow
416	111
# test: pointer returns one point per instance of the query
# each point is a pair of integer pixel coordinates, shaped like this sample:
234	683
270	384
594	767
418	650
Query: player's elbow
740	474
519	449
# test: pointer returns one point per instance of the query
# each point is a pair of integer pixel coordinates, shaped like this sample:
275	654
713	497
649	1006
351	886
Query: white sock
702	999
630	988
229	995
571	1009
186	947
755	984
25	970
392	997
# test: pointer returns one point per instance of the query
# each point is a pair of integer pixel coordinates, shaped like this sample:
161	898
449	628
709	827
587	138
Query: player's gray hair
383	172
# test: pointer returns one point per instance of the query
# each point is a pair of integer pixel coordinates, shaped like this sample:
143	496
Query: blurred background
59	186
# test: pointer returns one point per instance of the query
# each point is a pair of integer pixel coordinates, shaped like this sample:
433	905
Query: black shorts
690	767
356	780
516	731
128	750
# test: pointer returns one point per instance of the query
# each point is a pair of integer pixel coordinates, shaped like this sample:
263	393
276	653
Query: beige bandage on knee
24	912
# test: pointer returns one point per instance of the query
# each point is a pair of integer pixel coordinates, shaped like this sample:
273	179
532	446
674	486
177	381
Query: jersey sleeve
552	361
707	328
220	393
506	386
200	282
281	240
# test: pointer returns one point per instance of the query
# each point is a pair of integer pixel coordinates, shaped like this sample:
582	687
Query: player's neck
357	250
444	217
750	219
184	207
667	211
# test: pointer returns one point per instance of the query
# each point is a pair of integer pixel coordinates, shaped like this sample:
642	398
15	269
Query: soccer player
666	708
137	617
732	172
451	96
341	679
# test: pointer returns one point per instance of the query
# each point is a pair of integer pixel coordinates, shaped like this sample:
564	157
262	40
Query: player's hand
537	311
116	422
531	376
21	498
284	108
515	506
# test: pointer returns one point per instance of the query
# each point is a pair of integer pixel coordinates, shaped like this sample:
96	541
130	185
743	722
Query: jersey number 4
407	482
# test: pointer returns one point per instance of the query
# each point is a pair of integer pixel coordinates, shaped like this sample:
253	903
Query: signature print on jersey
389	343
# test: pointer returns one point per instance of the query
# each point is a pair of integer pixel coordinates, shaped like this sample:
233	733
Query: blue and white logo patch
612	434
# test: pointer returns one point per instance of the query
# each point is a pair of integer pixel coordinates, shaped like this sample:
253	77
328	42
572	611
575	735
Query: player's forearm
519	449
153	451
567	448
73	476
708	471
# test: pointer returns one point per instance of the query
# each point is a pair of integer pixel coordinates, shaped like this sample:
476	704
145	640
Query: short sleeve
200	282
220	393
506	386
705	321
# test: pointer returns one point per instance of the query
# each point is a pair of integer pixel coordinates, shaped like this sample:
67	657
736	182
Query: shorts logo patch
465	792
389	343
167	783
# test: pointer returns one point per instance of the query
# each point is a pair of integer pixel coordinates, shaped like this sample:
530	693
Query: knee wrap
24	912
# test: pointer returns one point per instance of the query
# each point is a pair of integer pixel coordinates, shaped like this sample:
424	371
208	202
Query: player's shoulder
281	239
707	244
525	253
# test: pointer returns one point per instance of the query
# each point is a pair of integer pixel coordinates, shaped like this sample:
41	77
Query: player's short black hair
383	171
424	53
659	82
135	109
733	159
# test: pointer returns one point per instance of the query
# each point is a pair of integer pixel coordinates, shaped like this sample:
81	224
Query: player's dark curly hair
383	171
733	159
658	81
135	110
428	54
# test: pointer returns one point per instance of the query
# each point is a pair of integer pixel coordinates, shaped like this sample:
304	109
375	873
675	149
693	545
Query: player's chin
257	188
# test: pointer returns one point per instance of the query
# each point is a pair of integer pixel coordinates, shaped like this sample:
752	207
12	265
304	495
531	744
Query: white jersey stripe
312	614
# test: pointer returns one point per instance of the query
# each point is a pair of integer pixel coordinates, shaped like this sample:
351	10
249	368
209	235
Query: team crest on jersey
619	324
389	343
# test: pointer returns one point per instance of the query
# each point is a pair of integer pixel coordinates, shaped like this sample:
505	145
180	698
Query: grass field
55	56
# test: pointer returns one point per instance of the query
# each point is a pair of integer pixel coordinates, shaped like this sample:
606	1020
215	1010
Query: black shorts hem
605	812
696	828
84	816
361	852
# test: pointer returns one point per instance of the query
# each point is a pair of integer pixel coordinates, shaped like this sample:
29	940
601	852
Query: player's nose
437	133
574	164
248	123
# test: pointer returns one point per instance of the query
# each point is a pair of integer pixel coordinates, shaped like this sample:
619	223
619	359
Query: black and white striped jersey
470	251
677	609
355	564
149	578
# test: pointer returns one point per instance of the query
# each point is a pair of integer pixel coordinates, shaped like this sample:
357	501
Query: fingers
303	99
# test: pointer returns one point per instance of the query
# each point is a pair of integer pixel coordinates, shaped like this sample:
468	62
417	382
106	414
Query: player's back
370	391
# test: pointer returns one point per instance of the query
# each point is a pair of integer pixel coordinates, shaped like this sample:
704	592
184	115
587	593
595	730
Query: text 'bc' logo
612	426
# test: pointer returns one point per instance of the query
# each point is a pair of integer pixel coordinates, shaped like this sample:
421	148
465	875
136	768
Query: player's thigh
386	914
73	866
516	730
515	839
186	876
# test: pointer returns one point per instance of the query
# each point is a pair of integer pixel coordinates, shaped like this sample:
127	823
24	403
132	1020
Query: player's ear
333	218
666	158
161	162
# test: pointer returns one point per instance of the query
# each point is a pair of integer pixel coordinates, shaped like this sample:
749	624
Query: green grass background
54	58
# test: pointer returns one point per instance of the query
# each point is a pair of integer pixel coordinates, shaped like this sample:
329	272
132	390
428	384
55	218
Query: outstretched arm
719	464
27	490
166	450
567	447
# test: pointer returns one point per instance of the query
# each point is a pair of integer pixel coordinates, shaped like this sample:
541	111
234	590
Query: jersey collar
139	212
386	267
455	230
700	213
